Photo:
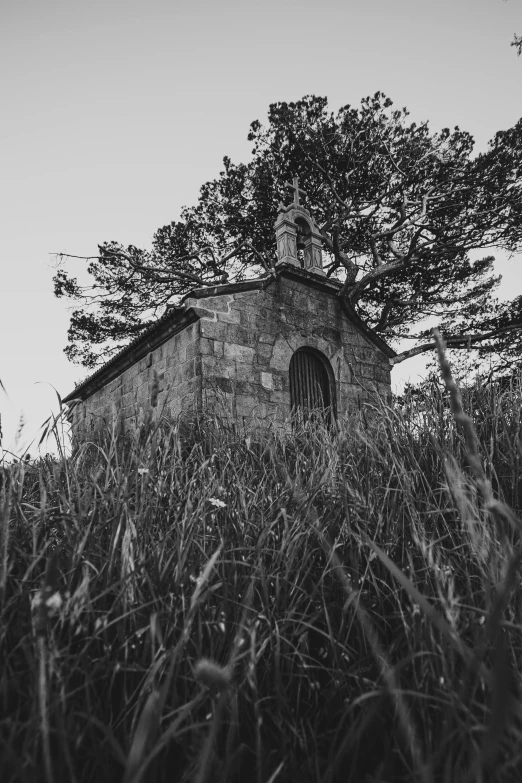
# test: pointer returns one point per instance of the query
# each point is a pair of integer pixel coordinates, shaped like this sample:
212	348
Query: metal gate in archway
310	387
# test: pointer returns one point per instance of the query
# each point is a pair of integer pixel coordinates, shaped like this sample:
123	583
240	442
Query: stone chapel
255	350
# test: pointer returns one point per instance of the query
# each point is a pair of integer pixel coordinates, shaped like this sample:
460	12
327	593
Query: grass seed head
212	675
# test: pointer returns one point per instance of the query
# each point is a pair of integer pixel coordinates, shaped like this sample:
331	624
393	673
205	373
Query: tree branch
375	274
464	341
332	243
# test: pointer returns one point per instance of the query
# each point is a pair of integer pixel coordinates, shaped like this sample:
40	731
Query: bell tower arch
296	230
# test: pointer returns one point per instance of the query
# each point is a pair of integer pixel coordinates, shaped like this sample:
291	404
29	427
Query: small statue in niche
303	237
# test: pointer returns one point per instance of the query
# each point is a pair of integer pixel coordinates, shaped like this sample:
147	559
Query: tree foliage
402	213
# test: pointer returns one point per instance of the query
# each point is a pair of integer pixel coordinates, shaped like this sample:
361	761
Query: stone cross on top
297	190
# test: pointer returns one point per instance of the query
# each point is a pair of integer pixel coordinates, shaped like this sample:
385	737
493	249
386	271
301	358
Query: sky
114	113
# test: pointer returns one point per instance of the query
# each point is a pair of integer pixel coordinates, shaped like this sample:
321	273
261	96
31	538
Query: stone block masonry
228	349
177	364
248	374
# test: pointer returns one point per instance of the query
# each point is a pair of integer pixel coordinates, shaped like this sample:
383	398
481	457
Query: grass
203	603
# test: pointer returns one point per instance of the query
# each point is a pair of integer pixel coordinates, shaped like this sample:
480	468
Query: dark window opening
310	386
303	236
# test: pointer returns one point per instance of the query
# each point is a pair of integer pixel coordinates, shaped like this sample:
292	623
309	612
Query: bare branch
69	255
395	250
462	341
376	257
385	270
332	243
383	320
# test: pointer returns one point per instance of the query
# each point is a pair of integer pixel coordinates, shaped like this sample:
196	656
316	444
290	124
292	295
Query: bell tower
296	230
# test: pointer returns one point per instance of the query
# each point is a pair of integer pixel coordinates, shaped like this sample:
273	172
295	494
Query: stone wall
178	370
234	359
247	340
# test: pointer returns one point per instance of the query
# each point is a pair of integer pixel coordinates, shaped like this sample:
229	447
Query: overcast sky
114	113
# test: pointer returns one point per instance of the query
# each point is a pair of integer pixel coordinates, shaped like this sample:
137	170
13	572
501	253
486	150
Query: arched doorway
311	386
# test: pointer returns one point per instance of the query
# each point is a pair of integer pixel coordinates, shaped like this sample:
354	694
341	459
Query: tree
400	210
517	43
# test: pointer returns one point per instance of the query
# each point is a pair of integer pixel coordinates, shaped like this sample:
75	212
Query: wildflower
217	503
45	603
100	623
51	602
212	675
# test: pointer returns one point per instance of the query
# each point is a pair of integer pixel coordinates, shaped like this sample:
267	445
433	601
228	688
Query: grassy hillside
201	603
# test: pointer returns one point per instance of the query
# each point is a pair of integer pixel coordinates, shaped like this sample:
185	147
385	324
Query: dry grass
214	605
